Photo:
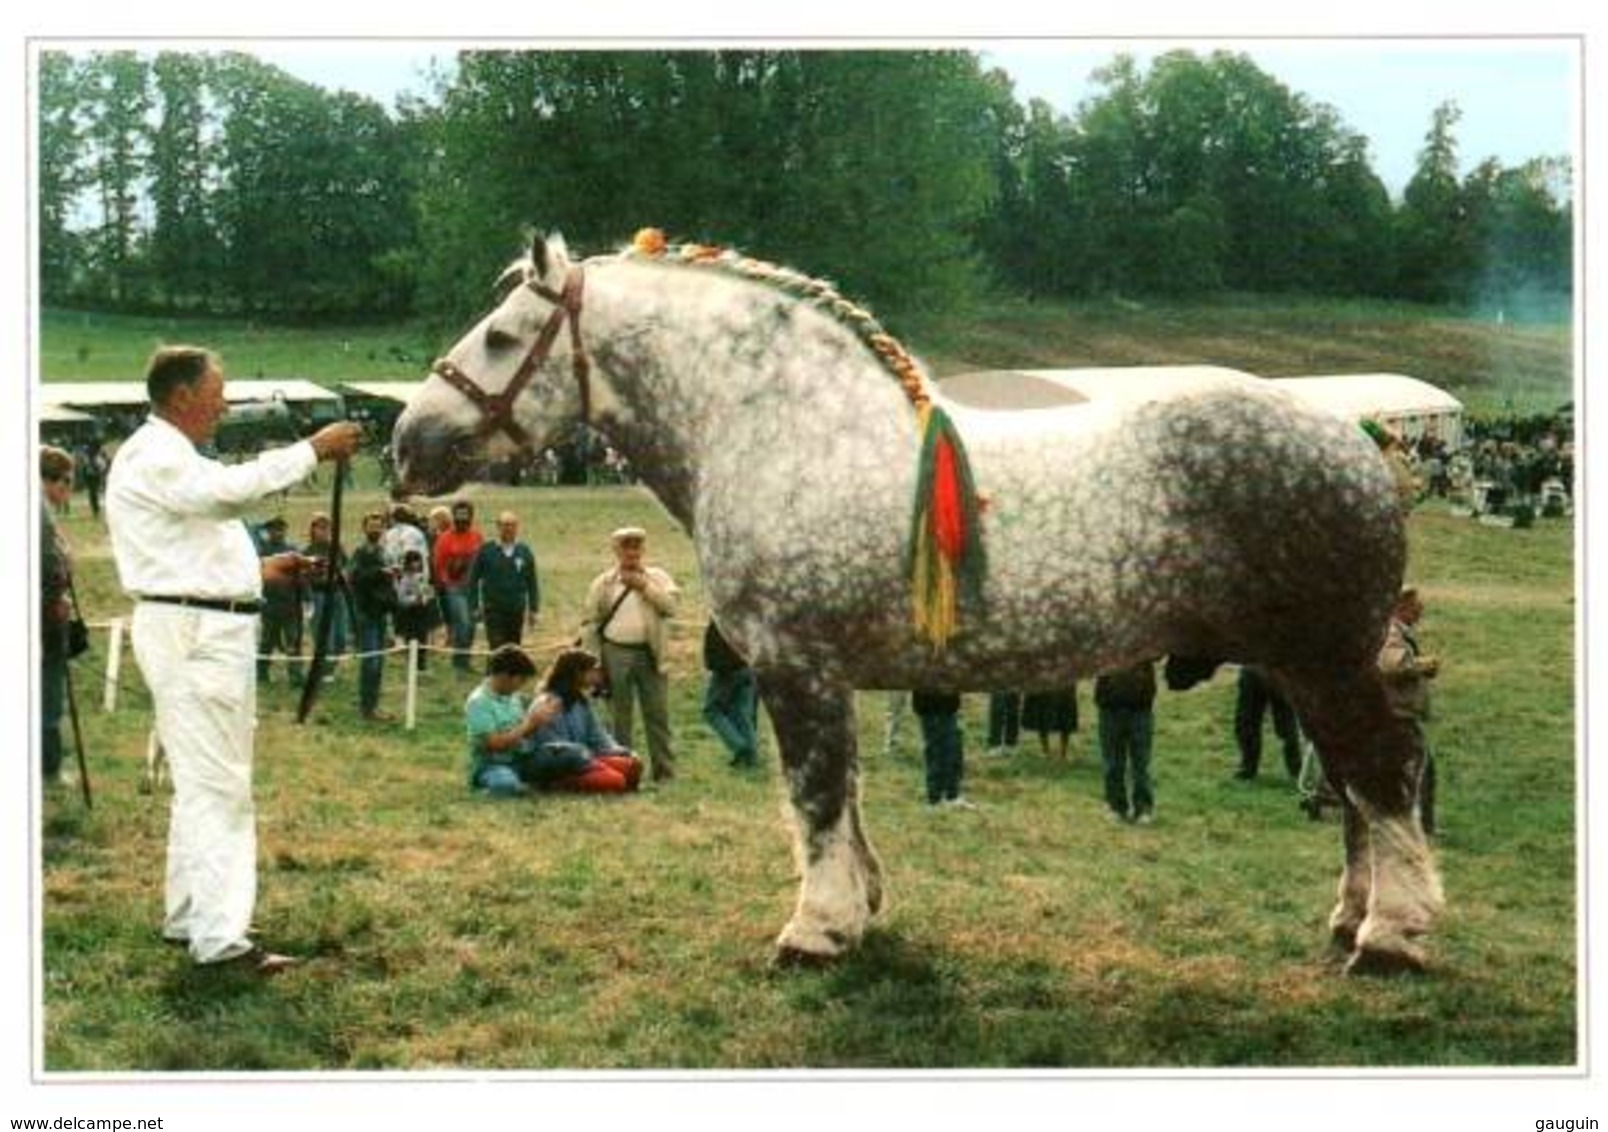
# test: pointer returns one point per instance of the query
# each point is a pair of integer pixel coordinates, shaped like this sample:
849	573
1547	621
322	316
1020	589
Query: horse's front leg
842	879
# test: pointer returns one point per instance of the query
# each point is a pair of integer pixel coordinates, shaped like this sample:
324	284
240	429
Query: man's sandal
257	961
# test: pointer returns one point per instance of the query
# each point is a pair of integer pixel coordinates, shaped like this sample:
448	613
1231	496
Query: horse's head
507	385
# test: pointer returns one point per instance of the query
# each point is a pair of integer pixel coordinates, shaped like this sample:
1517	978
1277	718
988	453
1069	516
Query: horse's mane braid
650	244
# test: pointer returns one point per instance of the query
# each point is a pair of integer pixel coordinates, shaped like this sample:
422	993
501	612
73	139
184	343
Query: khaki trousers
633	677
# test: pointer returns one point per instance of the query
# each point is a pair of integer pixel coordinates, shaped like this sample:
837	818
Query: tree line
215	183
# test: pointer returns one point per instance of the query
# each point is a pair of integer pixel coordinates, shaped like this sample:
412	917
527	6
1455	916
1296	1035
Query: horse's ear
550	258
538	256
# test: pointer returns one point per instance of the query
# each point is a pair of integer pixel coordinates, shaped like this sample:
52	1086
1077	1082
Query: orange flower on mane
650	242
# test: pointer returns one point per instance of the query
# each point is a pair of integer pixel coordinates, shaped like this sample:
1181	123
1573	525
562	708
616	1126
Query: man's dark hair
510	660
173	366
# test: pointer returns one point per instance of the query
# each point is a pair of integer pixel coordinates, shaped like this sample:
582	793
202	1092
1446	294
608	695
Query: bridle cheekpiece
497	409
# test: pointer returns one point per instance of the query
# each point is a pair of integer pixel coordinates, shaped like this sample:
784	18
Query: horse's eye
500	339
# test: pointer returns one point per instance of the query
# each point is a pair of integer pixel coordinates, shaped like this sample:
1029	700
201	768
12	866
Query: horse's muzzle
430	458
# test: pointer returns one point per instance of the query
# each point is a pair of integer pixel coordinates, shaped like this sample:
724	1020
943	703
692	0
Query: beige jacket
1406	676
1401	471
659	600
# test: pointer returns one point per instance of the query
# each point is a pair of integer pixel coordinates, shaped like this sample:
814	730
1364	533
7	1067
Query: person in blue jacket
504	586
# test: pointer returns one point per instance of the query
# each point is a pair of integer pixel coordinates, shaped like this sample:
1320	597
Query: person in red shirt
453	561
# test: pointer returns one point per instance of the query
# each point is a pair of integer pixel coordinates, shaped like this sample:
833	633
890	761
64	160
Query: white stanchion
413	684
114	660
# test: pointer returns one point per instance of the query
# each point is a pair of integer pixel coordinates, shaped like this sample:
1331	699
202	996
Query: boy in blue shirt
498	722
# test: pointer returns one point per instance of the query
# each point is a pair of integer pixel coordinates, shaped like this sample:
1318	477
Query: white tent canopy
131	394
401	391
1126	385
1406	405
1055	388
61	414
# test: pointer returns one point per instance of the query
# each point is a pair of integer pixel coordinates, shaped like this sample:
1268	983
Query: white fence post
413	683
114	661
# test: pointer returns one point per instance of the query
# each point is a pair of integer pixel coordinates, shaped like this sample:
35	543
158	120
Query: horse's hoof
1406	960
1343	936
797	959
817	947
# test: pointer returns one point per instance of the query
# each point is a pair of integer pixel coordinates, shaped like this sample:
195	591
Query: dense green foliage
867	166
217	183
1201	174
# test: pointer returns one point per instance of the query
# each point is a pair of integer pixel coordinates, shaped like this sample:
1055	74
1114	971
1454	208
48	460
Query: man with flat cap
184	553
626	610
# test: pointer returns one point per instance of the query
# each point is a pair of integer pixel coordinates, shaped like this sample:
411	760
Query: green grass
94	346
1491	367
449	931
1494	368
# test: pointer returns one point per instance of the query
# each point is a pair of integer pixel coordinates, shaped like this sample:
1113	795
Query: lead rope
326	614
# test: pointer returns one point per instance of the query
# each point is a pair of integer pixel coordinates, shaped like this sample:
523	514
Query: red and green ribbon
947	562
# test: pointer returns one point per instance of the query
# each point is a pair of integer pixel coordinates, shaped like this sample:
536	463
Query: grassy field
1492	367
448	931
95	346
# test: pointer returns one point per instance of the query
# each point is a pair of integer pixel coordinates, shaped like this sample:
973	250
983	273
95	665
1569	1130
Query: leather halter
497	409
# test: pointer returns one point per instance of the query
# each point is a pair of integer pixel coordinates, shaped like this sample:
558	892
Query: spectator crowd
1520	467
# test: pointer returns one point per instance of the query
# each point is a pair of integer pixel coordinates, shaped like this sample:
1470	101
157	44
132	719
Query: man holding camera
627	608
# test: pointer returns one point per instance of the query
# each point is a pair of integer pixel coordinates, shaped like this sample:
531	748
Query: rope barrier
556	643
117	630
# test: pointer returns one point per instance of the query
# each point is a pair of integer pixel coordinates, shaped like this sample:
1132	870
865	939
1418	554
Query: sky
1518	97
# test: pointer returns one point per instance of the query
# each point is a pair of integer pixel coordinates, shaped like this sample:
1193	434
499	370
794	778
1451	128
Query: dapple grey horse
774	420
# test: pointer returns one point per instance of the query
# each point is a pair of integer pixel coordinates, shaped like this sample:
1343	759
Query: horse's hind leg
842	879
1390	891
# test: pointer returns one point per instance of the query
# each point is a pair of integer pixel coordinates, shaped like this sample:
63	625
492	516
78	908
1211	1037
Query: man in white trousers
176	519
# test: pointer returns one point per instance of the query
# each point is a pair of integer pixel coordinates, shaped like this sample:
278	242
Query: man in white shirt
184	553
626	611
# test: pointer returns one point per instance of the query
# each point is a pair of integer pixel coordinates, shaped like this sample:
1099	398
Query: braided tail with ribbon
947	562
